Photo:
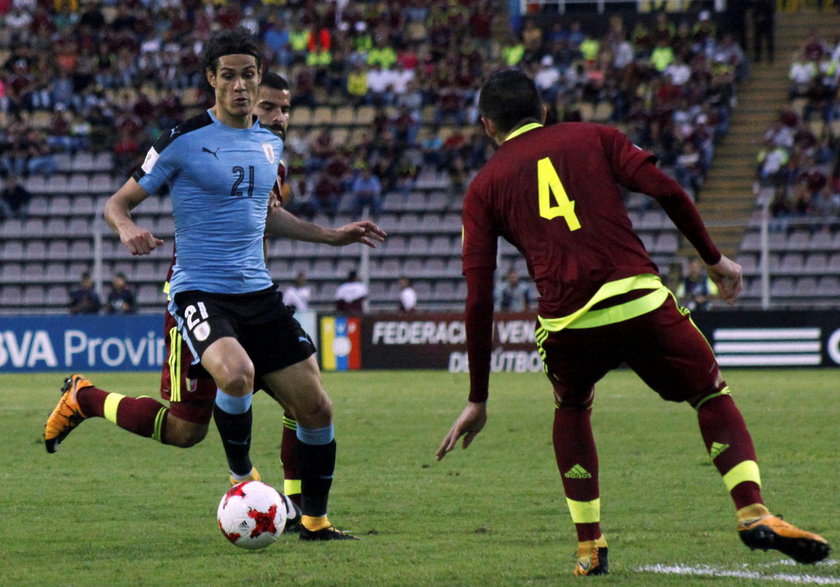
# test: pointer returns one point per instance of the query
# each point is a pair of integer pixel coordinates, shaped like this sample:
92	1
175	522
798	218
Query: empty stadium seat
781	287
822	241
11	295
791	263
11	273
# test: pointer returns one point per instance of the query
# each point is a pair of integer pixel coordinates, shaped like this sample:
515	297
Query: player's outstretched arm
118	216
468	425
726	274
281	222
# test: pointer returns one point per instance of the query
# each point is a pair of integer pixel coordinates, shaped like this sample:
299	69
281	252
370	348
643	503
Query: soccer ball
252	514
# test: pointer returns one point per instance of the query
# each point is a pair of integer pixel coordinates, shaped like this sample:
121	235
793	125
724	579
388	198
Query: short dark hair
275	81
509	97
233	41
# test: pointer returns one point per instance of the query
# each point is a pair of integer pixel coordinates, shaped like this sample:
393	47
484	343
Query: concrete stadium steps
727	198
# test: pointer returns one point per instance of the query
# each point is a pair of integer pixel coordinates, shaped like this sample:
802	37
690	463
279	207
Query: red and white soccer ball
252	514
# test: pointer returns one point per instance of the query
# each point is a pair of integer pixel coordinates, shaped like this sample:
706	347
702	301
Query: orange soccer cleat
67	414
592	558
770	532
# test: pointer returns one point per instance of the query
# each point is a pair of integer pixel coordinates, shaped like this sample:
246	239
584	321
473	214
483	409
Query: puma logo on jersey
205	149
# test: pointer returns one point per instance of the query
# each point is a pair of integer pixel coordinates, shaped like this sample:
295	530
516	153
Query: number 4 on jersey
550	185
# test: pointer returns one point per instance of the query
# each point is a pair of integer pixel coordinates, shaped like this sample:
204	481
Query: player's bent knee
315	414
184	434
237	382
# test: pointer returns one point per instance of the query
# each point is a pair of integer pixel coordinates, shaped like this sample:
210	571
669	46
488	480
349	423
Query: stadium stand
798	184
135	92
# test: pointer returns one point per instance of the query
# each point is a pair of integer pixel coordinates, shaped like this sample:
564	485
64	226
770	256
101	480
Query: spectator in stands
431	148
326	196
688	169
14	199
40	159
450	104
662	55
299	294
303	203
321	149
401	76
379	86
338	167
357	85
84	299
60	138
406	174
513	294
679	71
547	78
366	190
412	99
406	125
407	296
351	295
696	289
802	73
780	211
276	40
121	299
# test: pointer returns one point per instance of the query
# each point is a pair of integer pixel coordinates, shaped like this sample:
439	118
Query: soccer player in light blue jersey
220	168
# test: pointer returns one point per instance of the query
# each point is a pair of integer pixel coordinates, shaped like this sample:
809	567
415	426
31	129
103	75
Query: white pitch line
712	572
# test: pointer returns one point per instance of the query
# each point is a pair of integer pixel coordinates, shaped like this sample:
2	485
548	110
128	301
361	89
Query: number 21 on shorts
550	185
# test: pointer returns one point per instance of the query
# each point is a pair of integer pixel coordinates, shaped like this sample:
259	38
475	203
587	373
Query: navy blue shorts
263	325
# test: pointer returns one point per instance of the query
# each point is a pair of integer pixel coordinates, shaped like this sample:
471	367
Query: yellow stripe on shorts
174	364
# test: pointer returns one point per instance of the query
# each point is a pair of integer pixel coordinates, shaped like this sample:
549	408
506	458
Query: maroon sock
287	448
92	401
728	441
140	415
577	461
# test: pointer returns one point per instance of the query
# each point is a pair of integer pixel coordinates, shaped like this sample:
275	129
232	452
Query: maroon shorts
663	347
191	394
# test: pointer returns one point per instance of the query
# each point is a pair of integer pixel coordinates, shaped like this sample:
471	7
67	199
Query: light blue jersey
219	179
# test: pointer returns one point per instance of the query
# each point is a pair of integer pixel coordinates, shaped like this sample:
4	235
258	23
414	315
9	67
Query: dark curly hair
230	42
275	81
509	97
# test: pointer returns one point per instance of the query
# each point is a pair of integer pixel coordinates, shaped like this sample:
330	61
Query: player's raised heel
770	532
594	561
328	533
254	475
67	414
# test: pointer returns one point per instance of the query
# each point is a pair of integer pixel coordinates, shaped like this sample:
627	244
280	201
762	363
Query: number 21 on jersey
553	199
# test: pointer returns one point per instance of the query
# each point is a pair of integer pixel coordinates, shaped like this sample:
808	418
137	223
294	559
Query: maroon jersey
554	193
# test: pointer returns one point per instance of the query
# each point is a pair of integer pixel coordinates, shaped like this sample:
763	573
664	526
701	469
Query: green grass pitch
110	508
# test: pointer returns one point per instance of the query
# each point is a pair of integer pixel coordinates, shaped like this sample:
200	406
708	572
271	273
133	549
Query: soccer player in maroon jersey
554	193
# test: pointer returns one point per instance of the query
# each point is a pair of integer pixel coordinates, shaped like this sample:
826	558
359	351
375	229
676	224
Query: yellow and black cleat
772	533
592	558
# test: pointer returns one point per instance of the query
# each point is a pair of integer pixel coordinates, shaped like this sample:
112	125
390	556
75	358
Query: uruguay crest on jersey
268	149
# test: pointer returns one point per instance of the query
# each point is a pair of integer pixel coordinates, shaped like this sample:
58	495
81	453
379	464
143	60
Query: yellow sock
752	512
315	523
